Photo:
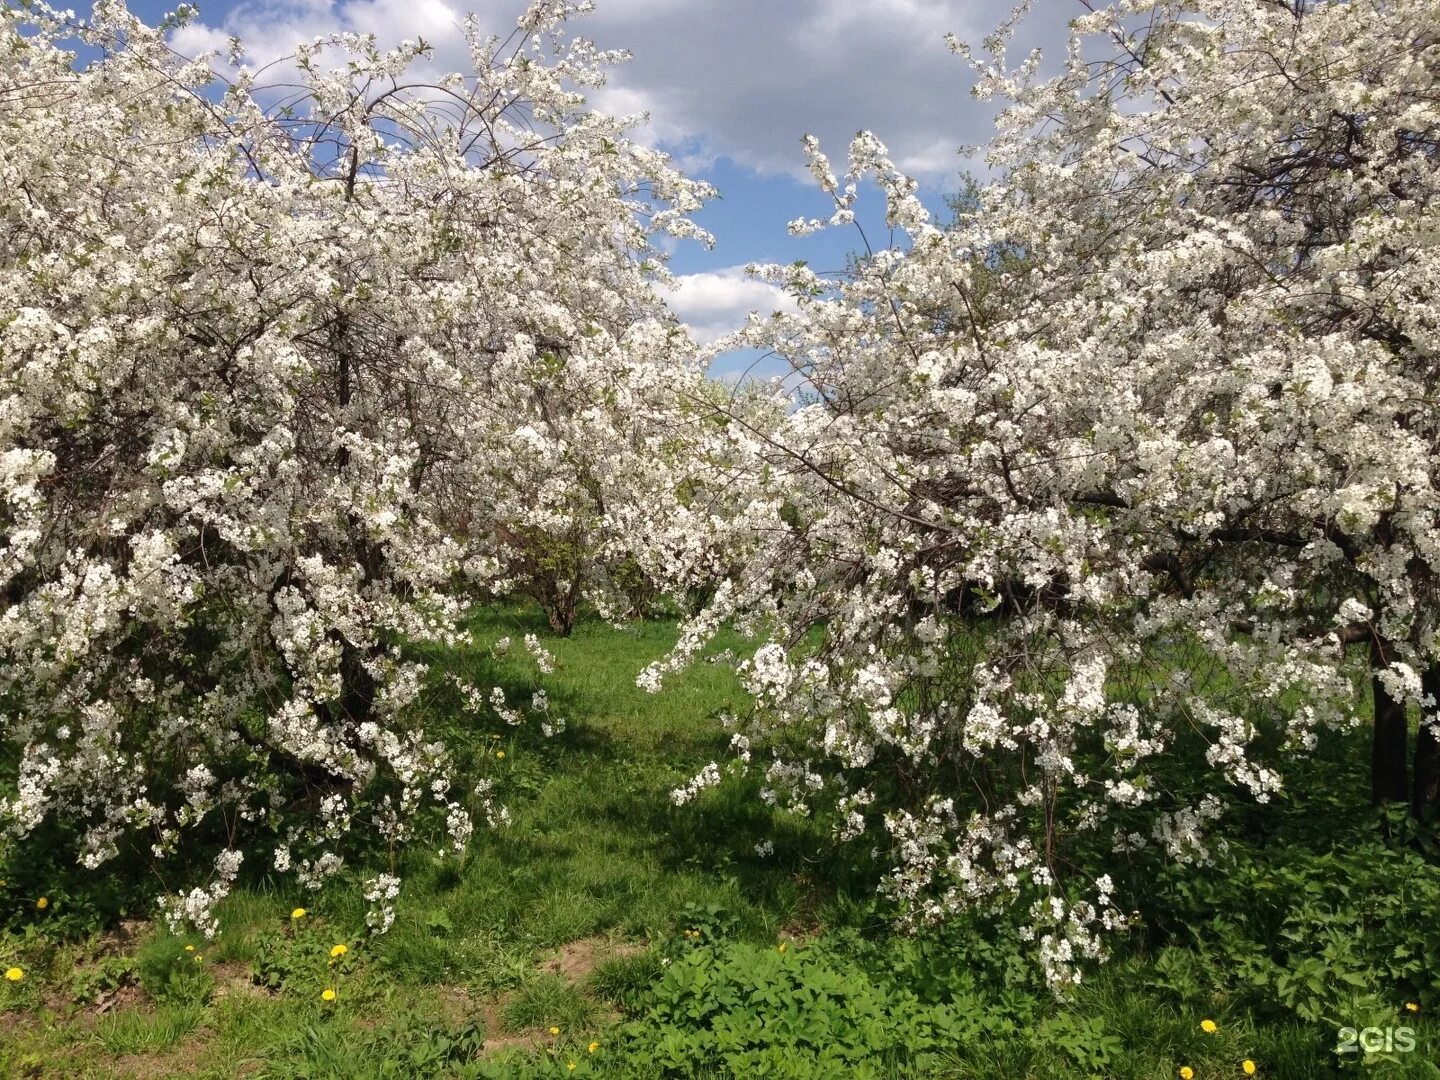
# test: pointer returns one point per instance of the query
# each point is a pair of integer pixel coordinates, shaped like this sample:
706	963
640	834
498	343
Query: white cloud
270	29
744	79
747	78
714	302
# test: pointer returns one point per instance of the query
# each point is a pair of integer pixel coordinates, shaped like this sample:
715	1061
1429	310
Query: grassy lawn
542	915
604	932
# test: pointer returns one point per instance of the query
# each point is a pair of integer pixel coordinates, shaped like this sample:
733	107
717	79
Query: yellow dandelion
1412	1006
328	994
593	1047
298	913
554	1031
337	951
1187	1073
1248	1066
781	947
199	957
189	948
43	903
1209	1027
14	974
500	755
571	1066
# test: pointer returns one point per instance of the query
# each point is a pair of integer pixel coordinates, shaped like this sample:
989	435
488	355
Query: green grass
595	854
550	1001
594	849
141	1031
624	981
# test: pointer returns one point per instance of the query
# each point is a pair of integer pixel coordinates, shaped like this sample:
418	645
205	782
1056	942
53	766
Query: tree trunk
1389	781
1425	797
357	685
560	612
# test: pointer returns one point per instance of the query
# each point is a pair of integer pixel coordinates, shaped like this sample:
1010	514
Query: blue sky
731	86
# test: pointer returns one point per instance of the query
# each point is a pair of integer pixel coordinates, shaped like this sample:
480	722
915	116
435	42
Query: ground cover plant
659	935
413	664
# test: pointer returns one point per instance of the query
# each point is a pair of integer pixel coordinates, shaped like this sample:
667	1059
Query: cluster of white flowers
495	813
512	717
1133	458
380	894
197	907
459	826
544	659
707	777
266	411
1124	462
1071	934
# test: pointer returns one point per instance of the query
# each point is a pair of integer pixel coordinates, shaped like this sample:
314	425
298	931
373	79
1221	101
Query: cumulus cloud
270	29
744	79
714	302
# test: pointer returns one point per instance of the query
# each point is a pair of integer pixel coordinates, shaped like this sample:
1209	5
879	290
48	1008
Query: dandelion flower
328	994
298	913
1187	1073
593	1047
571	1066
1209	1027
43	903
1248	1066
554	1031
500	755
337	951
189	948
1412	1006
14	974
781	947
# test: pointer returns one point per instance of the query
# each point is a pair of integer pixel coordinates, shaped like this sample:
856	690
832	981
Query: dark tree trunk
1425	797
357	685
1389	781
560	612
